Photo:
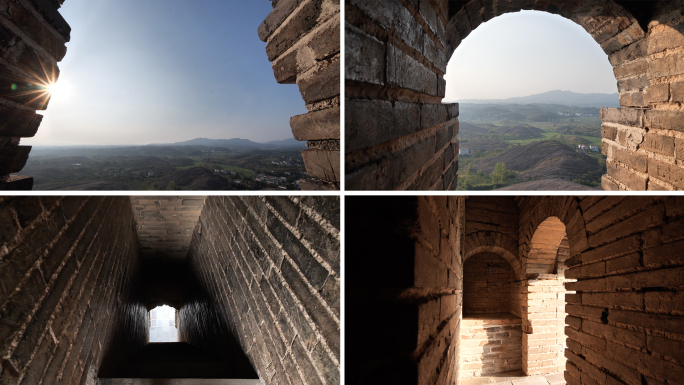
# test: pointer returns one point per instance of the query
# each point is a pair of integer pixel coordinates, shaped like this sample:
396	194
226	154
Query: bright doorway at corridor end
163	324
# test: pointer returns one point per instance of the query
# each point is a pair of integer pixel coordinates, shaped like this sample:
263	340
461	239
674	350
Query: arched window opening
544	340
530	86
163	324
491	334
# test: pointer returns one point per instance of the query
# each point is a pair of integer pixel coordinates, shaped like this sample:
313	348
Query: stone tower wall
272	268
397	134
33	39
303	42
67	267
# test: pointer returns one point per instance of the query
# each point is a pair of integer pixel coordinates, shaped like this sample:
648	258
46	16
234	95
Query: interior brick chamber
303	42
491	335
400	137
607	311
259	286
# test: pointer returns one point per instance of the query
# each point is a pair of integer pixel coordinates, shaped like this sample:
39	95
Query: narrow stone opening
163	324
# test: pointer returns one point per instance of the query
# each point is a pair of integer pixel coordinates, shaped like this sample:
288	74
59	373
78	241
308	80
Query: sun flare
59	90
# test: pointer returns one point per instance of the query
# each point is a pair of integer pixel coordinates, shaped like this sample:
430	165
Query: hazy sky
159	71
526	53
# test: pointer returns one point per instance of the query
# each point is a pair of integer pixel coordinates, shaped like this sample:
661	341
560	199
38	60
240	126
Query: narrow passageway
251	285
169	290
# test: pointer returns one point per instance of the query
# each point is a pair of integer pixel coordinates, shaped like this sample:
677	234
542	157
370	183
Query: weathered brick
659	144
633	51
667	66
323	164
321	82
658	93
631	180
666	172
665	120
625	116
373	122
400	65
667	39
677	92
365	61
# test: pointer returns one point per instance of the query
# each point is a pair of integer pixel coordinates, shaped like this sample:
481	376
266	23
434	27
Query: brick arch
544	245
611	26
400	136
561	219
497	243
567	209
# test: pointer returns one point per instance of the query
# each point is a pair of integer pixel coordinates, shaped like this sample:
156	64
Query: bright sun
52	88
60	90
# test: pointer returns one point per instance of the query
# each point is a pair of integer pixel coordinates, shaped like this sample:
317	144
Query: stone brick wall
491	226
399	136
643	139
202	324
404	285
67	267
271	268
33	39
490	346
625	320
487	284
623	250
303	42
543	325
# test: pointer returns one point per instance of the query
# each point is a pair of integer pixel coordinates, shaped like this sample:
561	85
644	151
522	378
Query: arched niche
491	334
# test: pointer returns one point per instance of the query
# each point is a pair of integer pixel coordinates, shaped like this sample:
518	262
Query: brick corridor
255	280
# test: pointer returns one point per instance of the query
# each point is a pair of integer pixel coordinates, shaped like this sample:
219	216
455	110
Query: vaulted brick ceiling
165	224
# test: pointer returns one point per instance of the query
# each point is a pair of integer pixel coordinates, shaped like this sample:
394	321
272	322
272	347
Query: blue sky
159	71
526	53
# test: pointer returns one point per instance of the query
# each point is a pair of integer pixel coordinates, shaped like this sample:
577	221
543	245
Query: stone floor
517	378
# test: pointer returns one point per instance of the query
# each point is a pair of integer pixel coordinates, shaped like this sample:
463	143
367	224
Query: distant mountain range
566	98
238	143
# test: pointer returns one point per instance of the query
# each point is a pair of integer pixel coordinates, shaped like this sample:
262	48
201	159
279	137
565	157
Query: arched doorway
543	299
491	331
163	324
529	114
400	136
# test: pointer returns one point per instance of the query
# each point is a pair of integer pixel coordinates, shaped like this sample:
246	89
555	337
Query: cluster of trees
480	180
